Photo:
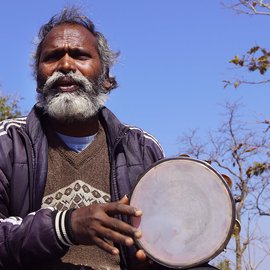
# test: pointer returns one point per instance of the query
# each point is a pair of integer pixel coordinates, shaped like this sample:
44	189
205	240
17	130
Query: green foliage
257	169
255	59
224	265
9	107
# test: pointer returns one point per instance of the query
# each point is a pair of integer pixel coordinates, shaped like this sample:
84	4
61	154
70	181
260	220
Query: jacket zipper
112	154
123	253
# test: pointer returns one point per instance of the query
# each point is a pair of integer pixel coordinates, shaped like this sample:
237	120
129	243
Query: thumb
124	200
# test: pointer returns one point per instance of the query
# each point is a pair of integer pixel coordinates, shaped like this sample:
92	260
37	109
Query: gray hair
73	15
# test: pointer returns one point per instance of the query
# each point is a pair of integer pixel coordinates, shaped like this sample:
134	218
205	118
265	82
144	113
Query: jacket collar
113	127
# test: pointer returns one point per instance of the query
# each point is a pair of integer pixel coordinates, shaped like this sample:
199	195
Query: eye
80	55
51	56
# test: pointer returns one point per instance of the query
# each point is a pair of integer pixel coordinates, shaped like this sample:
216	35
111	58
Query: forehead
71	35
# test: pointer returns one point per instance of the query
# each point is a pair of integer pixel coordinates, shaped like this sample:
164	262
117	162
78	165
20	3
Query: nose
66	64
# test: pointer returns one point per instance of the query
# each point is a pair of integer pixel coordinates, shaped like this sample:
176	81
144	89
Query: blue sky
174	56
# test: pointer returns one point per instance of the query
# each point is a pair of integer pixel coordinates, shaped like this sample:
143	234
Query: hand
95	224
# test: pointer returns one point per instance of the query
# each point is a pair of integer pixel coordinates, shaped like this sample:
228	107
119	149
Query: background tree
224	265
249	7
9	107
257	58
240	150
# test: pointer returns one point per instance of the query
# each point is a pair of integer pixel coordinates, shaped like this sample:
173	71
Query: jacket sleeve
29	241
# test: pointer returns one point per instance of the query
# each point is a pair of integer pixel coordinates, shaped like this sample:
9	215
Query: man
67	168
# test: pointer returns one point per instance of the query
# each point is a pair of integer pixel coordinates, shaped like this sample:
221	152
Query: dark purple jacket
27	236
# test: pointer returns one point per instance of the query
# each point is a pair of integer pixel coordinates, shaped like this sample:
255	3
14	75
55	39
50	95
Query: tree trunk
238	252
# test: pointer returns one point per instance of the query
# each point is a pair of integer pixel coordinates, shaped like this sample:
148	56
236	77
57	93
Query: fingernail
138	234
129	241
138	213
115	251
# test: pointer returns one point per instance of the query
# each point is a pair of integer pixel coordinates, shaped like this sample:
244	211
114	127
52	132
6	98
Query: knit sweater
75	180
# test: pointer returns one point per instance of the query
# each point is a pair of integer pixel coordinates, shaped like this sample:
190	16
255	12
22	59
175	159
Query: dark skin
71	47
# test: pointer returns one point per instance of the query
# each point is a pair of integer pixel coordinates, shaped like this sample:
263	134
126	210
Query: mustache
71	77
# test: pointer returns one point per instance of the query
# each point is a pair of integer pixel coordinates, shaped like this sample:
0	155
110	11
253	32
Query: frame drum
188	212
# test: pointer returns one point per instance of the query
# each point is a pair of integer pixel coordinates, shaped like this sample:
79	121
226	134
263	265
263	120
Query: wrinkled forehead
71	35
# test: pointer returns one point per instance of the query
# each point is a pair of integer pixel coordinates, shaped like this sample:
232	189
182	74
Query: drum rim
233	211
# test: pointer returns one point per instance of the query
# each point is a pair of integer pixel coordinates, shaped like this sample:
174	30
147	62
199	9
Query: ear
107	83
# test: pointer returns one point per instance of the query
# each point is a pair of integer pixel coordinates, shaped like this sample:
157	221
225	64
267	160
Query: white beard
69	107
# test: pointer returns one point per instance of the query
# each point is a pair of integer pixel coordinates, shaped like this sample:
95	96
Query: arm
36	238
28	241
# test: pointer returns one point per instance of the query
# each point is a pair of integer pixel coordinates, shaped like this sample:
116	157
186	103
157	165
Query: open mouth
66	84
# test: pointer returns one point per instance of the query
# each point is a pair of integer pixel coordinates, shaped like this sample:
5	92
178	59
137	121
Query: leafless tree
240	150
249	7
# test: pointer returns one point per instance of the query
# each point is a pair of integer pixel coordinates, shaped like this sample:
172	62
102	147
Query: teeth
67	88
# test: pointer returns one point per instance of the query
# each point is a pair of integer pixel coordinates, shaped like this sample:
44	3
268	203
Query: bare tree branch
240	151
249	7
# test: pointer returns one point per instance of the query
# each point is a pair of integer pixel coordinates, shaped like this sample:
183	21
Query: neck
82	128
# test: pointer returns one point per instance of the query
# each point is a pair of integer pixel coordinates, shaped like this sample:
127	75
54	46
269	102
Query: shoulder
11	124
147	139
10	136
10	145
134	136
144	134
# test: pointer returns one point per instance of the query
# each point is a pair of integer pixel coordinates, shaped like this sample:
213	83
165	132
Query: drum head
188	212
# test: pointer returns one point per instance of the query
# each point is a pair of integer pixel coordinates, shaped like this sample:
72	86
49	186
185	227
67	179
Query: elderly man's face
69	48
70	84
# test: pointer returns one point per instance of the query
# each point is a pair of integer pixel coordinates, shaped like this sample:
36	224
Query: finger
122	227
123	209
141	256
115	237
106	246
124	200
